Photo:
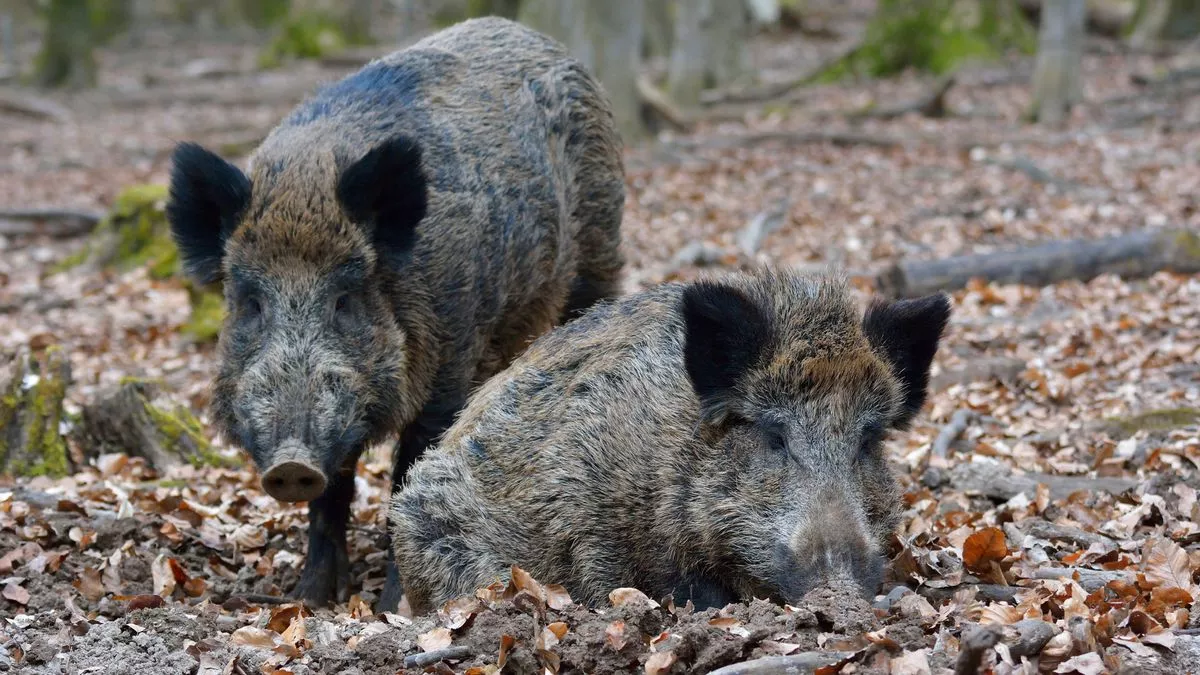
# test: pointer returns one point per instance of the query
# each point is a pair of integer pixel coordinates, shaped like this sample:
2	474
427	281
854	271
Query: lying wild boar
400	237
715	441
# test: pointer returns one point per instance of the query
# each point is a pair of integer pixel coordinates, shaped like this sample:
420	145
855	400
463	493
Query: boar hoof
293	481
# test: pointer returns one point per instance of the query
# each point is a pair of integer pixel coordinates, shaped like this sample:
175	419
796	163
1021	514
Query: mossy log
136	420
1131	256
31	416
135	233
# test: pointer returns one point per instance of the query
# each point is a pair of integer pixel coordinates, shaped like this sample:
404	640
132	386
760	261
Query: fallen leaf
910	663
252	636
660	662
630	596
90	584
1133	645
557	597
1167	565
1164	639
506	645
614	635
145	602
983	548
163	576
523	581
283	616
15	593
457	612
1085	664
194	587
438	638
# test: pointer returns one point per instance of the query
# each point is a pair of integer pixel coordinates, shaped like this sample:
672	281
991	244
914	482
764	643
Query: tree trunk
1165	20
709	47
606	37
67	57
660	30
134	420
1135	255
1057	80
30	414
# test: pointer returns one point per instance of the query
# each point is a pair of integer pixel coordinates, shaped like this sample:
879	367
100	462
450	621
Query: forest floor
1050	485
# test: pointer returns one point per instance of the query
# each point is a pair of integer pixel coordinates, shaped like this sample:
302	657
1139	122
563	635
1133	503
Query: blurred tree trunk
67	57
660	29
356	19
505	8
1165	20
709	47
606	37
1057	77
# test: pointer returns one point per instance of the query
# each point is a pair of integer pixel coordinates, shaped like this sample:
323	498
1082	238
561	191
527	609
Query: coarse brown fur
713	441
343	329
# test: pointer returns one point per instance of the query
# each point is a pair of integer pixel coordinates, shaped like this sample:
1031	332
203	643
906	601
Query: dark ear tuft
207	198
907	333
385	191
725	334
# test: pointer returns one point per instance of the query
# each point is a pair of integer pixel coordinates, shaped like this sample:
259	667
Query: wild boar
714	441
401	235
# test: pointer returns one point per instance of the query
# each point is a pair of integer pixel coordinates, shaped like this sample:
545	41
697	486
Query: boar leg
326	574
423	432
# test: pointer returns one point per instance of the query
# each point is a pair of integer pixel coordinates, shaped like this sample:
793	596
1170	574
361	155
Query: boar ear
907	332
725	334
385	191
207	198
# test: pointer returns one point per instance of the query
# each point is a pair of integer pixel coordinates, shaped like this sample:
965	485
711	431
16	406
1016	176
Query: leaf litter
186	571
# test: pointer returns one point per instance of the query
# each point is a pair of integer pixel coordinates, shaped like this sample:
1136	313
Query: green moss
208	314
1187	244
1166	419
183	432
305	36
72	261
46	450
934	36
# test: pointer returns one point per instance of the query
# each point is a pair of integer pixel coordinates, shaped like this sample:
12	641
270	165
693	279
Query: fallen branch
1090	580
50	222
661	103
931	104
794	663
1043	529
994	482
778	89
959	422
1003	368
430	658
976	640
750	239
33	106
840	138
989	592
1131	256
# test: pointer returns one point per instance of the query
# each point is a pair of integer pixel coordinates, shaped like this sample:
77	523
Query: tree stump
31	413
136	420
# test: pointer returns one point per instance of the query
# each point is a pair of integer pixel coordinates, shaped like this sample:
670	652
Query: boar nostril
293	480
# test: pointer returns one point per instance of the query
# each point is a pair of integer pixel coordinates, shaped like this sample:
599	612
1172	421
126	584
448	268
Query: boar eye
342	302
871	438
776	439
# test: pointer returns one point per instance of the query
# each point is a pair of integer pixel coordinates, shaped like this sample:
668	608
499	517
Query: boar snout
294	476
834	545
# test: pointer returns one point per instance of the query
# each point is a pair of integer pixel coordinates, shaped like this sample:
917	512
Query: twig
793	663
430	658
661	103
262	599
33	106
959	421
976	640
52	222
750	239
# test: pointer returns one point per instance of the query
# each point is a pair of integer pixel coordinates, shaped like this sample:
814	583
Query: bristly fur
410	229
592	460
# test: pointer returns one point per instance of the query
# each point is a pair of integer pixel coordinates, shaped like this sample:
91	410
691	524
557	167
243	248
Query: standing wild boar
714	440
400	237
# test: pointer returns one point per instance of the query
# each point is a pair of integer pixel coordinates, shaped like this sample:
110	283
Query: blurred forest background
1039	159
